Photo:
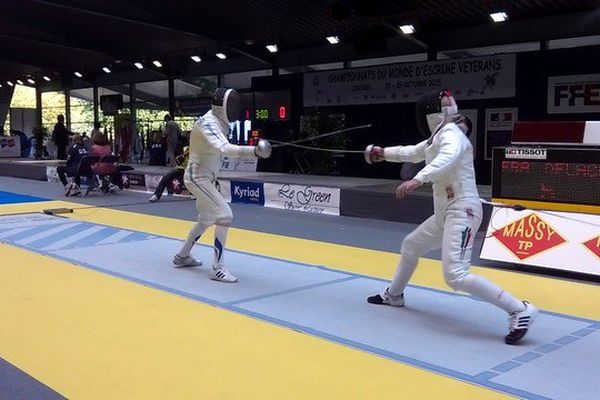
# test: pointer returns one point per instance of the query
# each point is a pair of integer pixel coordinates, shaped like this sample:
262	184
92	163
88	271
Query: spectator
101	148
72	169
175	175
172	132
96	130
157	150
60	137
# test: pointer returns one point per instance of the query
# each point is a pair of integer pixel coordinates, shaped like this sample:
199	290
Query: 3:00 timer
262	113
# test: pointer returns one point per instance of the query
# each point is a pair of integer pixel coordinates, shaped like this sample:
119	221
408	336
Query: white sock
220	240
197	231
482	288
406	268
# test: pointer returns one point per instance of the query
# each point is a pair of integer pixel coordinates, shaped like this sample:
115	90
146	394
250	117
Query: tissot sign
574	94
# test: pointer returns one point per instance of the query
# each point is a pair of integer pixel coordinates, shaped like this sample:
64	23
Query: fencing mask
227	104
433	108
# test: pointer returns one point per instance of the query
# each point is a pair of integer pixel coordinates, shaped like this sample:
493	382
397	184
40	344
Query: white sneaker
219	273
185	262
520	322
153	198
74	190
387	298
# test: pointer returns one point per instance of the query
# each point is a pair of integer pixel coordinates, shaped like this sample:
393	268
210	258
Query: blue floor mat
9	198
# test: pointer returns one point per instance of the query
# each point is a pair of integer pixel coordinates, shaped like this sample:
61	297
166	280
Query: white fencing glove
263	149
373	154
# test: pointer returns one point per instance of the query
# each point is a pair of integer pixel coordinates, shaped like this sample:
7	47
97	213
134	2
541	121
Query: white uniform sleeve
450	149
413	154
212	137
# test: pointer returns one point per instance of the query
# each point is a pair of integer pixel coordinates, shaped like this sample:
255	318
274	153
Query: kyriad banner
468	78
314	199
247	192
551	239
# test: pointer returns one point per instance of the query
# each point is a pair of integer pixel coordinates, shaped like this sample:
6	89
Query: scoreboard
555	175
270	106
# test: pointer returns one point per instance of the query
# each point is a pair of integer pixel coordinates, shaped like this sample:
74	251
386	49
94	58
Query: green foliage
315	122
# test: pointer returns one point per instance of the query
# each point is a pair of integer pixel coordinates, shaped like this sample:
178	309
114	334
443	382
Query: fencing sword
295	143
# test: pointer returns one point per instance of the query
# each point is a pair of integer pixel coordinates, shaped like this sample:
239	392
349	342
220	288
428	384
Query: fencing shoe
185	262
387	298
520	321
219	273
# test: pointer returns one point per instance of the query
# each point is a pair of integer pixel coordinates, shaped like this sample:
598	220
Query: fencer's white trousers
212	207
454	231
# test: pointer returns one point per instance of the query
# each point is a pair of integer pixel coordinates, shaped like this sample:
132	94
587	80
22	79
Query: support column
38	106
95	95
68	109
172	97
431	55
220	80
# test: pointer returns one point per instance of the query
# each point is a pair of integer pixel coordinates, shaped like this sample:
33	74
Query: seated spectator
157	150
101	148
173	175
76	154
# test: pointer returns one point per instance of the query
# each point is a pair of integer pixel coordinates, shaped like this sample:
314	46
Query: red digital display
282	112
565	176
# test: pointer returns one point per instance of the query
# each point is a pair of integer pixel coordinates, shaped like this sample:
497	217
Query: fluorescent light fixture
106	69
221	56
196	58
78	74
157	63
499	16
407	29
20	82
46	78
138	65
333	39
31	81
10	83
272	48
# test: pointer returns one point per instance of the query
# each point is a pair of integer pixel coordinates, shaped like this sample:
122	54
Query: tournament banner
570	94
550	239
314	199
10	146
467	78
247	192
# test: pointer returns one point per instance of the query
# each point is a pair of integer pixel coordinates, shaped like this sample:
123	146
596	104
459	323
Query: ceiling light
499	16
272	48
78	74
106	69
10	83
333	39
407	29
31	81
138	65
46	78
221	56
157	63
20	82
196	58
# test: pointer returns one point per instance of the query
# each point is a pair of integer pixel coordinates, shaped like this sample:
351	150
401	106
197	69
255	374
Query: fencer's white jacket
449	165
208	142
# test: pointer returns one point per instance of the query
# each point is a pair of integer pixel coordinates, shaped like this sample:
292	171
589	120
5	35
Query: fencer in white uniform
208	142
448	154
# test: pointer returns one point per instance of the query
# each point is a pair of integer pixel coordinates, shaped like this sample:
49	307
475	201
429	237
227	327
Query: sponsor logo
305	195
574	93
247	192
528	153
593	245
133	180
528	236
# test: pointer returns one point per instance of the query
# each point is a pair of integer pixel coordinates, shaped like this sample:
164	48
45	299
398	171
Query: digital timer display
272	105
566	175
